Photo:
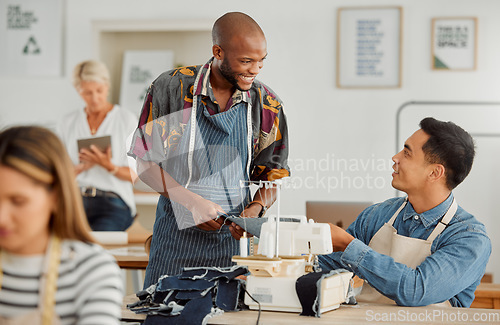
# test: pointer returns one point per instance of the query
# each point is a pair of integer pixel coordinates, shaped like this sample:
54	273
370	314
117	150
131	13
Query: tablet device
100	142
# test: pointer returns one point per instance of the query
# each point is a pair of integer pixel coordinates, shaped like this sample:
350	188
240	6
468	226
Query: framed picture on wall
31	38
140	68
454	43
369	47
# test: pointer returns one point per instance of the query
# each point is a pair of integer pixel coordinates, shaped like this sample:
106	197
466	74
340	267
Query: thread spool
244	245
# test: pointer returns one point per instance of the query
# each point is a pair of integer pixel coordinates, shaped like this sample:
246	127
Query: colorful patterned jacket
167	108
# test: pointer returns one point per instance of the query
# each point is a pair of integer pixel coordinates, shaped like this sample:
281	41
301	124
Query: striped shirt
89	286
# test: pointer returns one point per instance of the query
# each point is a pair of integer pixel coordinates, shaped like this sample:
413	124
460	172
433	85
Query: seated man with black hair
421	249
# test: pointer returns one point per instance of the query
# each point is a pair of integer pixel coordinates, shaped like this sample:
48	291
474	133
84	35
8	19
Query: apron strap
192	135
249	133
444	221
394	216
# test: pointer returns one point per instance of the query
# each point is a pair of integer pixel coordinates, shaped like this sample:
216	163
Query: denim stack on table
192	297
308	288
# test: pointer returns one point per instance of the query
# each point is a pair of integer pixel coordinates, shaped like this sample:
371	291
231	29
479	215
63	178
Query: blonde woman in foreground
51	271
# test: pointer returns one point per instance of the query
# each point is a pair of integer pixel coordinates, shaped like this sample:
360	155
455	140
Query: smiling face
242	60
411	169
26	207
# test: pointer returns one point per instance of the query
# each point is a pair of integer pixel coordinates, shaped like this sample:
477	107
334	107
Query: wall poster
31	38
140	68
369	47
454	43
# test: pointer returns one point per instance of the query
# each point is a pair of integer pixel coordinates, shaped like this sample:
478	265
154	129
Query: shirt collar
431	216
205	87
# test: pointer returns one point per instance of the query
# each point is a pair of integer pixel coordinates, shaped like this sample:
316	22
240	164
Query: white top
89	286
120	124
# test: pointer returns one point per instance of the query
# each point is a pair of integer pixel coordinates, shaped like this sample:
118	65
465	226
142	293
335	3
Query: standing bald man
203	132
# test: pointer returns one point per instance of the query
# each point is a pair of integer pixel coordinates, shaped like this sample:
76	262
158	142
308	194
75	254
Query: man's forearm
264	197
161	181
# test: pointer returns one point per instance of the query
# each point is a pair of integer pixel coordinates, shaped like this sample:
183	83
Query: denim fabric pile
308	288
192	297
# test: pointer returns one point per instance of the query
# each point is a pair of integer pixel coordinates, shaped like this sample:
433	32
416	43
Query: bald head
233	25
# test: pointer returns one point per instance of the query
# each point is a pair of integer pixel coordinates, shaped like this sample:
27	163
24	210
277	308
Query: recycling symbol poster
31	38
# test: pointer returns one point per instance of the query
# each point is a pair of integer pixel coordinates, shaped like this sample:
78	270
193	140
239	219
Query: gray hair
90	70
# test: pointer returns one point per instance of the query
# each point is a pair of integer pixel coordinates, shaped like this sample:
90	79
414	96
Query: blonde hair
90	70
39	154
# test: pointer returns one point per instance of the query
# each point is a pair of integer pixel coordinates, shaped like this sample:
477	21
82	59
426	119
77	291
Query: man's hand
340	238
252	211
204	214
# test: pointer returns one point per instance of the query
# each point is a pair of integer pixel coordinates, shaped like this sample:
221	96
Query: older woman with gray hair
103	174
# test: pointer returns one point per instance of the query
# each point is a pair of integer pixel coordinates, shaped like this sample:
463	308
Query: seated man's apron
45	313
406	250
216	157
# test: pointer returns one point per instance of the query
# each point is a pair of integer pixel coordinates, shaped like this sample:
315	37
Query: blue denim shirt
452	272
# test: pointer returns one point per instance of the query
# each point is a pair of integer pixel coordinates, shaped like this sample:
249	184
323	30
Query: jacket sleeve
270	137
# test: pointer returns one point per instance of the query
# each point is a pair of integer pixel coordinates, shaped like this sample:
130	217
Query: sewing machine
286	251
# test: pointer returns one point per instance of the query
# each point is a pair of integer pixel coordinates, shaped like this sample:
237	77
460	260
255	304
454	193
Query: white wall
327	124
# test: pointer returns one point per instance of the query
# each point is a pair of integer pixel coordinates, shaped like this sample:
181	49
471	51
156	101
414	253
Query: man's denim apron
220	162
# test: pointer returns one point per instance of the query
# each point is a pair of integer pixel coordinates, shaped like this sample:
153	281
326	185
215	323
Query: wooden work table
131	256
363	313
487	296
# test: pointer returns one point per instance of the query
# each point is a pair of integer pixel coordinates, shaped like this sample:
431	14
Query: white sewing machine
275	269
